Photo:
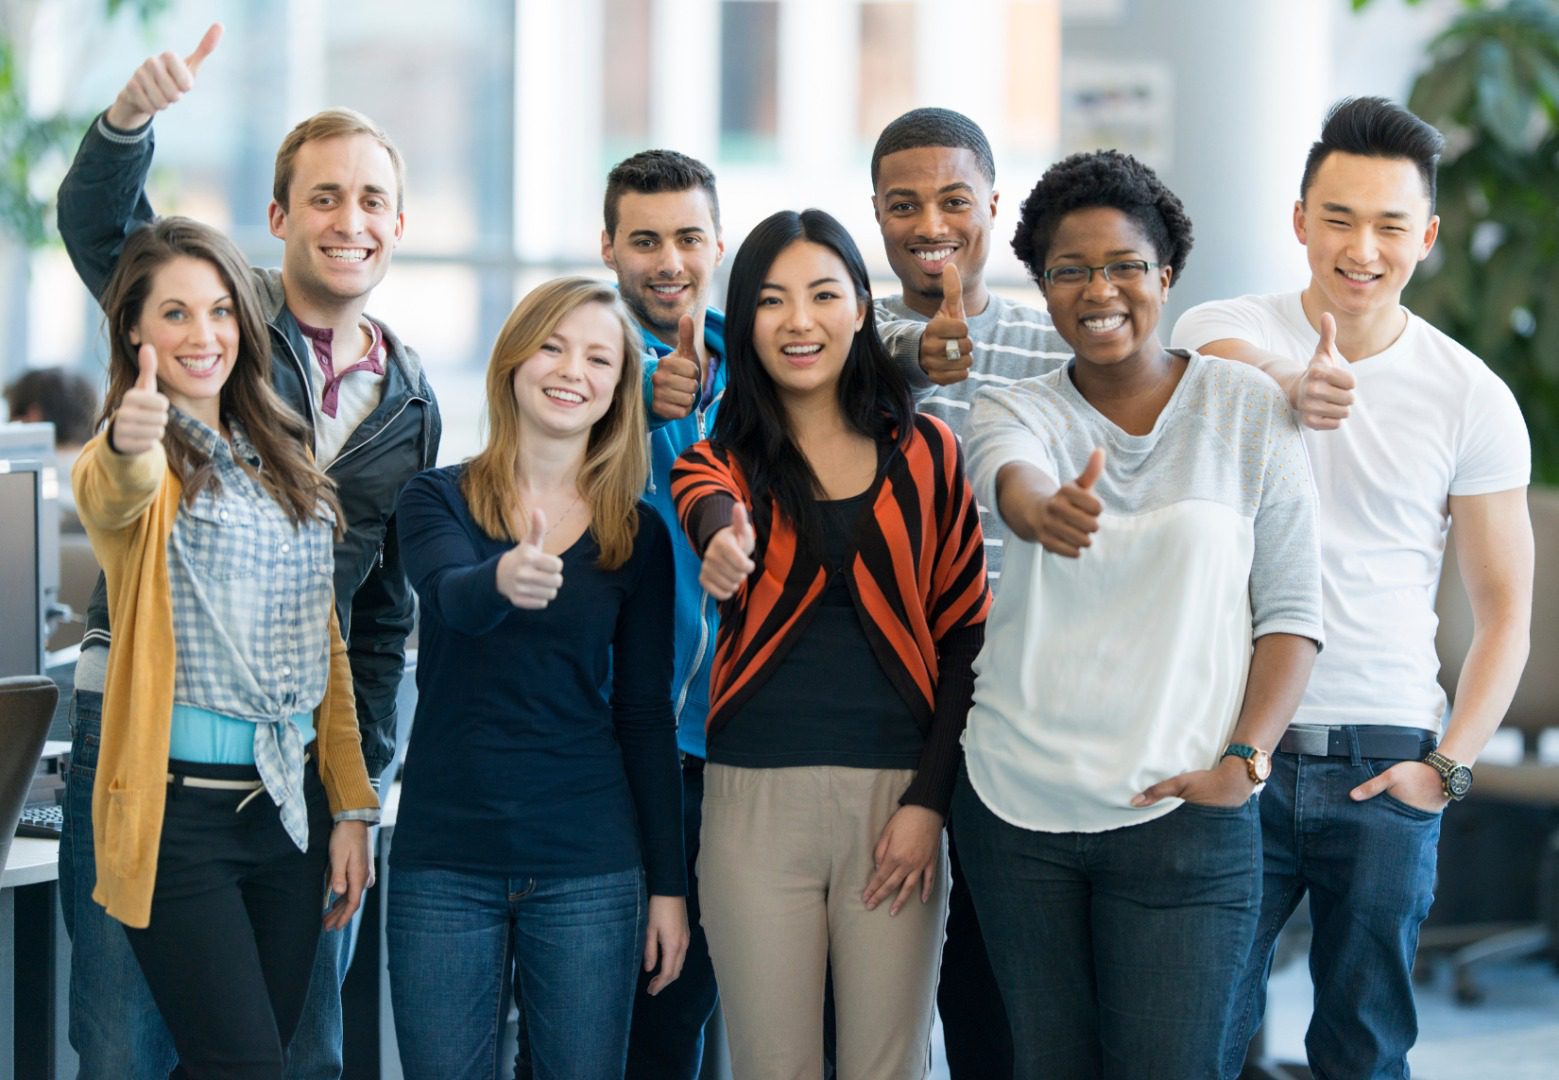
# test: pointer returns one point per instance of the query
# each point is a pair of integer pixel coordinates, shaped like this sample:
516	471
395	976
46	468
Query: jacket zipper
698	654
382	429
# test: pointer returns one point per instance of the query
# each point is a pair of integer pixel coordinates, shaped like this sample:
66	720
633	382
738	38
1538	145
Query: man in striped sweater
934	197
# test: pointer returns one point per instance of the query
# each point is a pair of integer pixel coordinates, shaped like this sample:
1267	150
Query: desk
34	965
35	970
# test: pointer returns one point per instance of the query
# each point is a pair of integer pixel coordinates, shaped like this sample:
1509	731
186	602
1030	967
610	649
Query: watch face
1459	782
1261	765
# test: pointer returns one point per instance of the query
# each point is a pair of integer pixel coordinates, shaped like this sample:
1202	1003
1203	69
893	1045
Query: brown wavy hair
617	462
278	433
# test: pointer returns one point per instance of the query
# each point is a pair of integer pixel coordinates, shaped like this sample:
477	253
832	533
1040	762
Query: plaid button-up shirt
251	611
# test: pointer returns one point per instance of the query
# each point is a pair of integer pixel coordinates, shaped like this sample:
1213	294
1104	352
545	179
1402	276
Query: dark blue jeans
667	1039
1116	952
315	1050
1369	868
460	942
114	1023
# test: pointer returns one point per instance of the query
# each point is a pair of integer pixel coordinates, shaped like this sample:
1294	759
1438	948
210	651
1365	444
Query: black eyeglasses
1122	272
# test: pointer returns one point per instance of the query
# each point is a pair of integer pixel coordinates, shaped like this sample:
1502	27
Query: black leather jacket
101	201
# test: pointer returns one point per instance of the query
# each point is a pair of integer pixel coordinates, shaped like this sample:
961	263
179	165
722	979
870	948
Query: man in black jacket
338	210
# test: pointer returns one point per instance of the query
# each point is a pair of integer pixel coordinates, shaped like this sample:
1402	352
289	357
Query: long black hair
752	424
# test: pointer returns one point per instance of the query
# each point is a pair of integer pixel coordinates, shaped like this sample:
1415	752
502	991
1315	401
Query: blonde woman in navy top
540	838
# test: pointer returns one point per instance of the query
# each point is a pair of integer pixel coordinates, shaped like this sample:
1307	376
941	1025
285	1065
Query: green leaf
1503	106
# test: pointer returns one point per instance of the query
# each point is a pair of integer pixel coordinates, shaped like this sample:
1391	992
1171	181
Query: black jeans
667	1039
235	922
974	1021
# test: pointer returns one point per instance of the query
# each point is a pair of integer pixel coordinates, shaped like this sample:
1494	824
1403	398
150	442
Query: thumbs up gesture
678	378
1066	520
528	577
142	415
728	556
939	359
159	82
1322	394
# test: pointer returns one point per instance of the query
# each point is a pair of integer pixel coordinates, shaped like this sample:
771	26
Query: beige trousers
784	858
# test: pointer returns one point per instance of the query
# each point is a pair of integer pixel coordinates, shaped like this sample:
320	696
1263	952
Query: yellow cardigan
128	504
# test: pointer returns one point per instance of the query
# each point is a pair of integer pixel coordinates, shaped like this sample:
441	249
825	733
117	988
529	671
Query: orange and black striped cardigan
917	575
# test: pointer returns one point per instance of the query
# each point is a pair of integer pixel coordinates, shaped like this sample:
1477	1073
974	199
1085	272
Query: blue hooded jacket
696	614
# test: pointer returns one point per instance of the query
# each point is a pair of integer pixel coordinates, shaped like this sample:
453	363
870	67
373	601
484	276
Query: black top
522	762
828	702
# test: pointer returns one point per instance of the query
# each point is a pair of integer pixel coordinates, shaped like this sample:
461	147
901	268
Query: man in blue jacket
374	422
662	238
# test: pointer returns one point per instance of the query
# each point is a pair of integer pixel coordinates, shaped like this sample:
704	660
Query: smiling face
807	319
340	228
1106	322
664	252
190	319
567	385
1366	225
935	208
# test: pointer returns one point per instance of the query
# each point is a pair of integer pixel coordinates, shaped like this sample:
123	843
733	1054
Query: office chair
26	707
1526	783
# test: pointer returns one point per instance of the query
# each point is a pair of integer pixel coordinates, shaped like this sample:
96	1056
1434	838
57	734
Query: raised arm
103	197
934	353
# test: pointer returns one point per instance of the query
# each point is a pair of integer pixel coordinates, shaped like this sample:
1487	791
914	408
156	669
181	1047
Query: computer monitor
35	443
21	578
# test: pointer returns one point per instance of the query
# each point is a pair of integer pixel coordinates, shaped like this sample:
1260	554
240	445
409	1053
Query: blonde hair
331	124
616	464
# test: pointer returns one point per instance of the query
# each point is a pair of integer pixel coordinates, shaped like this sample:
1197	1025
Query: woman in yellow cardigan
230	776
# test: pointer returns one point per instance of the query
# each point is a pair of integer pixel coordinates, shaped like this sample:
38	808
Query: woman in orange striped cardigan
840	536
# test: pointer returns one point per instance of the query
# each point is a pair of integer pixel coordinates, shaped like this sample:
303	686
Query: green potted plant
1492	86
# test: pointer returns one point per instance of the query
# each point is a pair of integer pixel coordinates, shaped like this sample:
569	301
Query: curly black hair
1102	178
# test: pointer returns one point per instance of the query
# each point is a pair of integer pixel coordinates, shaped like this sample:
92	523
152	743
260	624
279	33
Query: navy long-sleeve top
544	743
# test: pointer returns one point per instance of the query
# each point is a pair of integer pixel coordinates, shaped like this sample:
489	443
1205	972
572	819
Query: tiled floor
1512	1035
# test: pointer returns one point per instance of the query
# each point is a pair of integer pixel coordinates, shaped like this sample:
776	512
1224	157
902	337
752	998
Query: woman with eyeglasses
840	536
1158	617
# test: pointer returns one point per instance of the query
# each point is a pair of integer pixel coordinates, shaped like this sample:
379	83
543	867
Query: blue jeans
460	942
667	1038
114	1023
1116	952
1369	868
315	1050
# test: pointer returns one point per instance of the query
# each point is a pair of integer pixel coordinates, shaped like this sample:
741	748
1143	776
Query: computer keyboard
46	822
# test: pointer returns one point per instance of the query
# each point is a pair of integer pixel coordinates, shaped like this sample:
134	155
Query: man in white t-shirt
1408	433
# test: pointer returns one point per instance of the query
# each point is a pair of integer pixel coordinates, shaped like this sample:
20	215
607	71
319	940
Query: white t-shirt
1104	674
1429	420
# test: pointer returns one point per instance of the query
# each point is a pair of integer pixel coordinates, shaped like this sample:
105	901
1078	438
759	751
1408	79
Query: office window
887	72
749	79
625	76
1033	43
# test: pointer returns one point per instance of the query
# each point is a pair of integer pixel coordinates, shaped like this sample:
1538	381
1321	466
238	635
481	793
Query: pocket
1218	811
86	738
222	537
317	538
1376	766
728	783
126	843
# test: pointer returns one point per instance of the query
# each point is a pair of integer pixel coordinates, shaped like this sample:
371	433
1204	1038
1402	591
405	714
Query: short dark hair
874	395
1102	178
934	127
63	398
651	172
1376	127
